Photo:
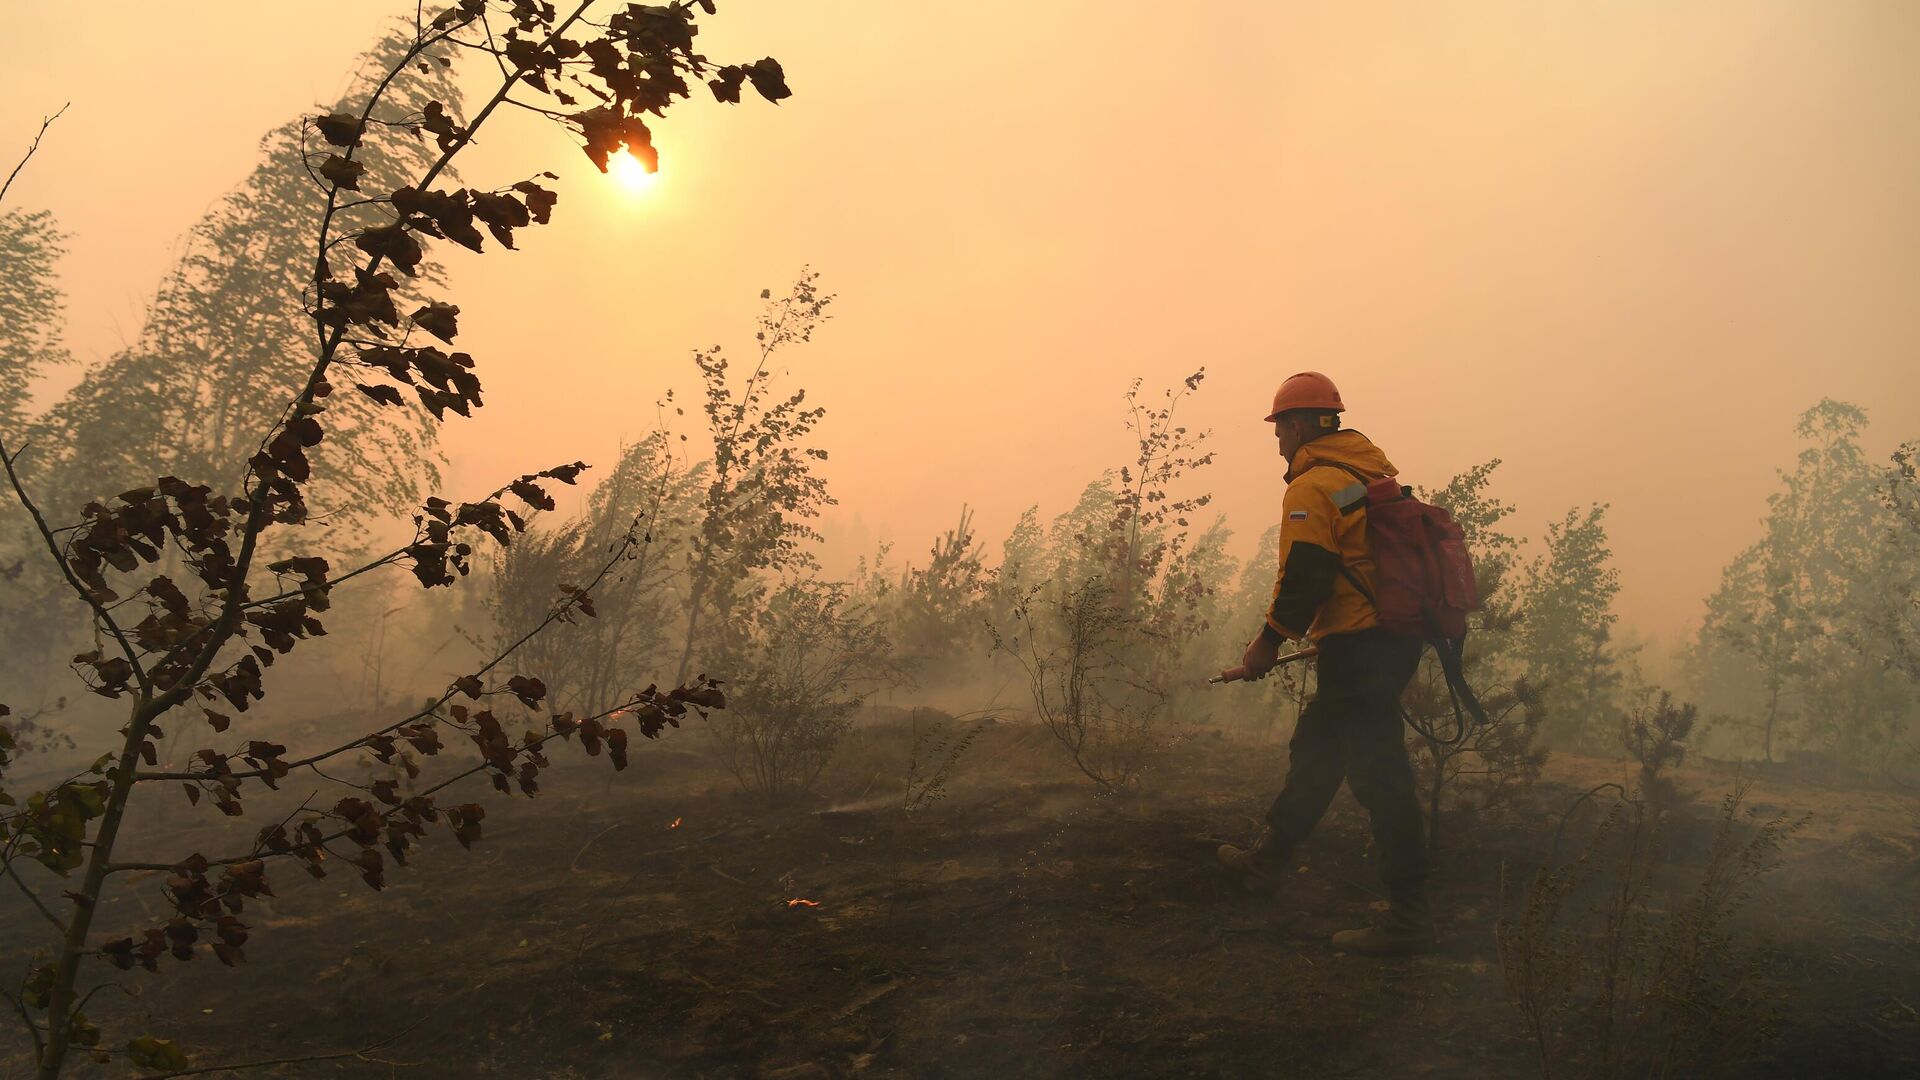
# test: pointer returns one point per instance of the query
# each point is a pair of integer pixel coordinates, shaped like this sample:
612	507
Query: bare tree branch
39	1045
45	123
33	896
79	588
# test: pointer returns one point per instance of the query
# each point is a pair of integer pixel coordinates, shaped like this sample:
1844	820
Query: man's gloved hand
1261	655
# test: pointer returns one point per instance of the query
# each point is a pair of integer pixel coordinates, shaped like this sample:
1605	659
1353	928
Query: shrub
803	661
1105	638
1474	770
1620	967
938	745
1654	734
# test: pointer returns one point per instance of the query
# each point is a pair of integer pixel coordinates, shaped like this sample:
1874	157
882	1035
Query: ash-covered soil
656	923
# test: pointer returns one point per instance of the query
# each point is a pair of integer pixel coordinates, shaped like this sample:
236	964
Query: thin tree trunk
1773	711
696	593
74	947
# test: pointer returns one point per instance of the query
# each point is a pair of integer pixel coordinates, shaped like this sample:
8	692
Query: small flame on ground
675	823
802	902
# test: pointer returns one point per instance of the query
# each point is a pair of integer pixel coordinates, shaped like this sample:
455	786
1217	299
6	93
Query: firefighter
1351	729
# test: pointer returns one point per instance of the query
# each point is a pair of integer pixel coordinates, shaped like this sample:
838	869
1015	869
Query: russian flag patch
1296	515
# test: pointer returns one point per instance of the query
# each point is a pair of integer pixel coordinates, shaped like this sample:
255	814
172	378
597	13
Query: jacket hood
1344	447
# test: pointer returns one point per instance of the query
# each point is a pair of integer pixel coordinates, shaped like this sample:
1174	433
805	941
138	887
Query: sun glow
630	174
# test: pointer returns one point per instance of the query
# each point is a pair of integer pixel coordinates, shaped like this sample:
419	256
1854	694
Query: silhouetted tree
1102	637
31	306
761	490
224	342
174	649
639	607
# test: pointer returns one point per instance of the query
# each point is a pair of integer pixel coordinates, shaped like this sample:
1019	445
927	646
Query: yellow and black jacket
1323	527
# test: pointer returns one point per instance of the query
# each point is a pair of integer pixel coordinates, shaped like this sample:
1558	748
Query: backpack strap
1468	714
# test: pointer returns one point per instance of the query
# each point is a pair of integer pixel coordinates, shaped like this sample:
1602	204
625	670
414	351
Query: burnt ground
1022	926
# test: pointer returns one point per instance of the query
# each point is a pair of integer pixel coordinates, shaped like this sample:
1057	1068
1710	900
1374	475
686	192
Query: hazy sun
627	170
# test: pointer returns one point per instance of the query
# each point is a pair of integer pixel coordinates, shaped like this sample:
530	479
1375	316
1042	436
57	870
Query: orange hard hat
1307	390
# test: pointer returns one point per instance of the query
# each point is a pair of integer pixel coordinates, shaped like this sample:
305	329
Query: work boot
1407	929
1261	866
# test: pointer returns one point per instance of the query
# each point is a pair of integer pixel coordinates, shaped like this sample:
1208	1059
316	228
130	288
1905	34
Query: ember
798	902
674	824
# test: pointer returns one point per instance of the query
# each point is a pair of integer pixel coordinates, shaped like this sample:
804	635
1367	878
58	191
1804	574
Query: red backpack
1423	576
1423	580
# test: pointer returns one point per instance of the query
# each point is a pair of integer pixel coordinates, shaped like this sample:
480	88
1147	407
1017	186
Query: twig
45	123
73	580
256	853
35	897
575	867
39	1047
559	611
1560	830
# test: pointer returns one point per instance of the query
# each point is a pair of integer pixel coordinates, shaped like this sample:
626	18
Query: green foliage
1193	623
53	826
1801	644
31	306
1022	553
30	309
223	345
762	492
1565	630
1654	733
801	660
1496	553
1074	645
1489	769
1896	618
1107	635
940	609
1077	550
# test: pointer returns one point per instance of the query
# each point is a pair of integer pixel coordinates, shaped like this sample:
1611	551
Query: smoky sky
1620	247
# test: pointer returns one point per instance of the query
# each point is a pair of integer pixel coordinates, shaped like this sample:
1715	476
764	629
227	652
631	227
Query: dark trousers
1351	731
